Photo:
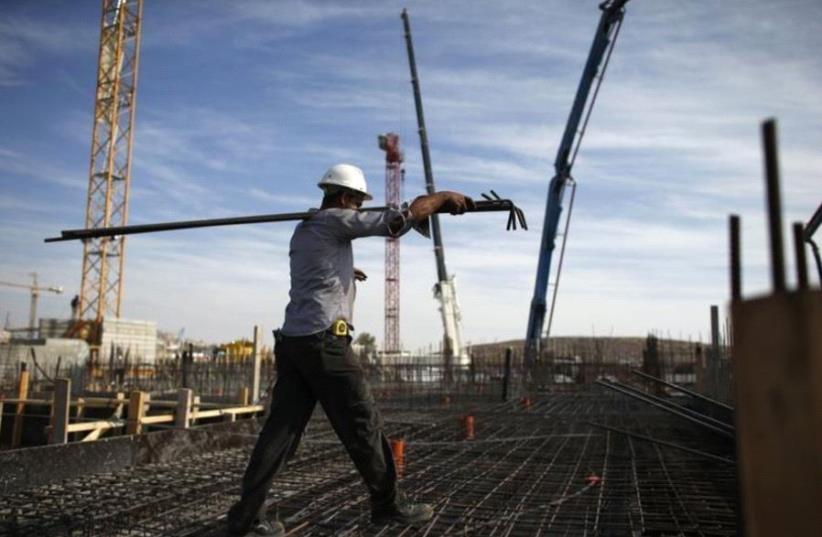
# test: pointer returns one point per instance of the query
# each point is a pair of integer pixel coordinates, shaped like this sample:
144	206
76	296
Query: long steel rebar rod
701	420
488	204
810	229
682	389
676	407
735	257
771	152
662	443
801	262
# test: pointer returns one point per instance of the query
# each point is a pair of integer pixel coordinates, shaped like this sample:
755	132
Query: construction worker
314	358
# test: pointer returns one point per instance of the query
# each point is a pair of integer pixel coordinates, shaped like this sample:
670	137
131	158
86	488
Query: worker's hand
456	203
359	275
453	202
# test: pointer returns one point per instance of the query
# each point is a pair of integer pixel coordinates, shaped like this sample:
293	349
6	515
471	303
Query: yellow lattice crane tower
101	289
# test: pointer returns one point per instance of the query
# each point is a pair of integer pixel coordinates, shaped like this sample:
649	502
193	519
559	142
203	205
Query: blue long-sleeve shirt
322	265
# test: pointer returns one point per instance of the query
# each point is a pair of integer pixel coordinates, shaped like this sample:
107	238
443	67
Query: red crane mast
394	176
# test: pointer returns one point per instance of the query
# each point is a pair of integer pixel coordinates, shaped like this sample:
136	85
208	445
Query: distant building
121	339
51	356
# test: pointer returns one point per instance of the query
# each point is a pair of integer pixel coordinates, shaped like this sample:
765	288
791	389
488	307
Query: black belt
339	328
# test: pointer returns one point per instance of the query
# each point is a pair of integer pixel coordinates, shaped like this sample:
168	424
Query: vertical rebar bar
774	204
736	264
713	366
506	379
801	263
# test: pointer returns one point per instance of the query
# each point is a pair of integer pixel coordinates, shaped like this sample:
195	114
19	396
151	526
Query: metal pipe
769	146
686	391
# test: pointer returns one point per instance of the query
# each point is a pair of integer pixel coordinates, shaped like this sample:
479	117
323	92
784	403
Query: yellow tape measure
339	328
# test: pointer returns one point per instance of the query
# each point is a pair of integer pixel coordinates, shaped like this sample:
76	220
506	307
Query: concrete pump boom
604	39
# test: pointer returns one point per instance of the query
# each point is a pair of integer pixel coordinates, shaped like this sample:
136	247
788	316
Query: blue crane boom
604	39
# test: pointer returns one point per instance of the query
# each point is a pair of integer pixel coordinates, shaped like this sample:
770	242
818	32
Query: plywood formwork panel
778	378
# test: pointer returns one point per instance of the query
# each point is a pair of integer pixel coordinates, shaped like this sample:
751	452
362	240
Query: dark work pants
322	368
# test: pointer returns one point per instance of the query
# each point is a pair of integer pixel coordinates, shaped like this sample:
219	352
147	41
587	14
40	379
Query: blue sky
242	106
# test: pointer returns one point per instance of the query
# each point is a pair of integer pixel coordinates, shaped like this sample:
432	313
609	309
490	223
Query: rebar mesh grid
531	470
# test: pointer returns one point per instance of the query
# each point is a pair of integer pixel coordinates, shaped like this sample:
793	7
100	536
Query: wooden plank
16	401
194	407
136	412
60	411
94	425
208	414
104	402
84	426
159	418
182	416
244	410
778	376
22	394
230	414
94	435
118	409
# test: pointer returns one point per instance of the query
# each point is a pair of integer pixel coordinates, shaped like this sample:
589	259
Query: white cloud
21	164
284	199
23	39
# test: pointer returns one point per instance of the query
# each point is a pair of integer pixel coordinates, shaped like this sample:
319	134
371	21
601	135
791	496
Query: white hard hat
346	176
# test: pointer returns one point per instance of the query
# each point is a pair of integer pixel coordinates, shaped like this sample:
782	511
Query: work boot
402	511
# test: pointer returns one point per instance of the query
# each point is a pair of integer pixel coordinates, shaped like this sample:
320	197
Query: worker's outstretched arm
453	202
424	206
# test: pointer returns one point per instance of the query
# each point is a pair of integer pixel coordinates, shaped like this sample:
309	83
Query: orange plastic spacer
593	479
398	452
468	427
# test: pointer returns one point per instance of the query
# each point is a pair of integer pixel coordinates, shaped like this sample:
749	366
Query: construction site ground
532	469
